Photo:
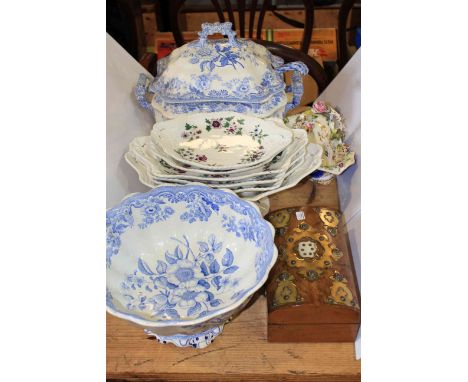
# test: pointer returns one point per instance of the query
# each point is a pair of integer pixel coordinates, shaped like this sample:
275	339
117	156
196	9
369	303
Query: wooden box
312	291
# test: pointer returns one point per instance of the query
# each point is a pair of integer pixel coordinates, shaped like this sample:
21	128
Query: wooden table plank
242	352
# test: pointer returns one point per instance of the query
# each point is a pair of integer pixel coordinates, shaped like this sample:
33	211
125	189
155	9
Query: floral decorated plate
278	164
312	160
151	180
182	260
311	163
253	182
325	127
158	167
266	180
221	141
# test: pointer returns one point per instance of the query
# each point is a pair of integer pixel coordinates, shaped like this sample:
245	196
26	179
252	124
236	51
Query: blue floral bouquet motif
185	283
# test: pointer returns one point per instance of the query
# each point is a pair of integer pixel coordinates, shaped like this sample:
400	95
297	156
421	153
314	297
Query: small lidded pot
208	75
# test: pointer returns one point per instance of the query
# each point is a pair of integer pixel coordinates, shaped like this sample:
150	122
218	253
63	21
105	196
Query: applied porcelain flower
320	107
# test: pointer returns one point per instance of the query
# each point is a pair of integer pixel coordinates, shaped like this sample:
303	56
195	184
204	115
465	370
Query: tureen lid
222	70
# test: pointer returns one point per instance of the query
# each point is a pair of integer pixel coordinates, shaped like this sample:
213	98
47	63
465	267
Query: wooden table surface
241	352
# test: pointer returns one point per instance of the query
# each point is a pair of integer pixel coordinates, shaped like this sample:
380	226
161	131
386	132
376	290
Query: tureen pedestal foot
198	340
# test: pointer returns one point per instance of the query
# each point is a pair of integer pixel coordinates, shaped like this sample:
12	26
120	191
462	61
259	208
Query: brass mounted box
312	291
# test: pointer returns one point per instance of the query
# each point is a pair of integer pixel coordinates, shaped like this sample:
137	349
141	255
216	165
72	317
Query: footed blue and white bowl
182	260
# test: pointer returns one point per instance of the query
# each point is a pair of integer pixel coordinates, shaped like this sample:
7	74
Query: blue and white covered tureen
230	74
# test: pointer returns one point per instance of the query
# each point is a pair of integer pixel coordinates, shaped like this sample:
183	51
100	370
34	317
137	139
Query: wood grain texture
306	192
307	22
345	9
323	18
242	352
299	307
315	333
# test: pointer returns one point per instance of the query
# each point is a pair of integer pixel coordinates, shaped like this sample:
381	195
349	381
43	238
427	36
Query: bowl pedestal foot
198	340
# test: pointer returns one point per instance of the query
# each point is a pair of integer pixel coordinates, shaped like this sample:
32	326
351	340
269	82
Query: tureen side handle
141	89
212	28
299	69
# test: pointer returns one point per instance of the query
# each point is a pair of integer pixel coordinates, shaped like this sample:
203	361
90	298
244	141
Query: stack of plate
251	156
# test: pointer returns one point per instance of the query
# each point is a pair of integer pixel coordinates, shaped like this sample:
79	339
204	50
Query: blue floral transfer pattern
186	284
188	279
274	104
213	75
198	340
152	210
210	86
109	299
206	60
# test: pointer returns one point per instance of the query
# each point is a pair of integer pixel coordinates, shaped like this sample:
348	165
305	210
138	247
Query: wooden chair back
242	10
343	14
317	79
124	22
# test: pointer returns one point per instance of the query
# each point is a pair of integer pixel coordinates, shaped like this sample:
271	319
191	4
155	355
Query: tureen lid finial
212	28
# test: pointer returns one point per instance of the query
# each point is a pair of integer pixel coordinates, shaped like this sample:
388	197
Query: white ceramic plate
159	172
221	141
312	162
143	175
146	178
277	165
230	186
164	172
152	180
